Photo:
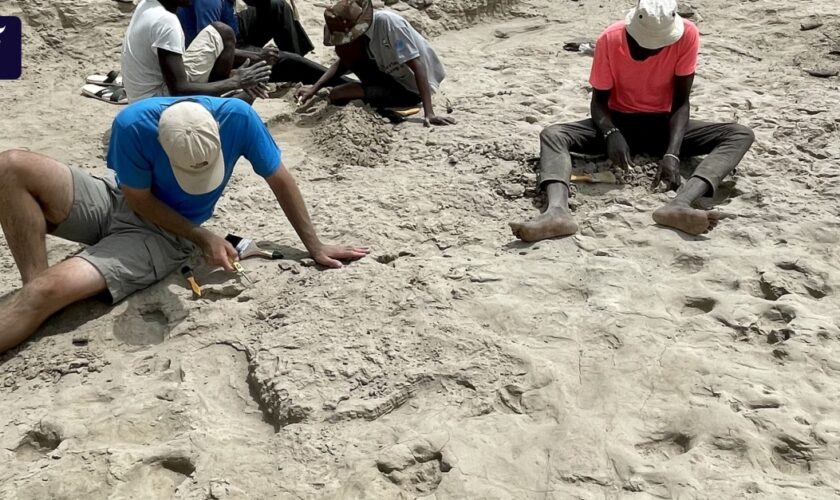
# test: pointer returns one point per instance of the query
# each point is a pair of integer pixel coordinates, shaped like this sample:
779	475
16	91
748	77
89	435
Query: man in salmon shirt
641	77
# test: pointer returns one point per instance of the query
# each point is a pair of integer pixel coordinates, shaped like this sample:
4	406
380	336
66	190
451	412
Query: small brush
247	248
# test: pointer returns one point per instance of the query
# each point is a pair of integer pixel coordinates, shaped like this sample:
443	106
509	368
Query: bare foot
552	223
687	219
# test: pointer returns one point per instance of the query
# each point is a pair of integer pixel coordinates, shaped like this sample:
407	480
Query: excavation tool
248	248
187	272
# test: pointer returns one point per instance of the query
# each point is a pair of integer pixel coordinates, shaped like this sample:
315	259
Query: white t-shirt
394	42
152	27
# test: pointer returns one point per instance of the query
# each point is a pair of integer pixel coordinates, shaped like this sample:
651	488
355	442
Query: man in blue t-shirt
172	157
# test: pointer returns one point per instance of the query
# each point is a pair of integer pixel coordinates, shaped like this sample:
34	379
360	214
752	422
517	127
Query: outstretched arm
422	79
291	201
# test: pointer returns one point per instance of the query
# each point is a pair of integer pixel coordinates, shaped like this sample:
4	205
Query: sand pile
354	135
625	361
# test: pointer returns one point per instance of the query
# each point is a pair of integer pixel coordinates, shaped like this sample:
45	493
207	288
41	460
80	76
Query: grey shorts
130	253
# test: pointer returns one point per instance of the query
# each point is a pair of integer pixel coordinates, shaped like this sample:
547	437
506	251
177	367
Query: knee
742	134
228	36
39	293
10	166
554	133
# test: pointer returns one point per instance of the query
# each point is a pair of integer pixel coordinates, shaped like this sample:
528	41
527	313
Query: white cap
655	23
190	136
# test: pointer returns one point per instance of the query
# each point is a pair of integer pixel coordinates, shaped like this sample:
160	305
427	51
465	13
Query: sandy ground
628	361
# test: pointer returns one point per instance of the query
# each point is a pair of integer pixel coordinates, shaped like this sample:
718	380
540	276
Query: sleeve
167	34
207	12
689	51
125	157
600	77
403	43
259	147
229	16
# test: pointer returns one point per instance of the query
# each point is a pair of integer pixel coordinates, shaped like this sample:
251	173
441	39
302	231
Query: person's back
152	27
394	42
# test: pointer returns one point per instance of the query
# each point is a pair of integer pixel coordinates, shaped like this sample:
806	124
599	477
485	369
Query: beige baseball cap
190	137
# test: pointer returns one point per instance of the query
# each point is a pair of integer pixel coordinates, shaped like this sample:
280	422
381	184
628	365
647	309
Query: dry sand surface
628	361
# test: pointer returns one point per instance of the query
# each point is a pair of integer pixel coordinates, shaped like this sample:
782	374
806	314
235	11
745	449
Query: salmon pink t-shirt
642	86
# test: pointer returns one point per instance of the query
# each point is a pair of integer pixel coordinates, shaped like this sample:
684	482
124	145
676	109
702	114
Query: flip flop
113	78
112	95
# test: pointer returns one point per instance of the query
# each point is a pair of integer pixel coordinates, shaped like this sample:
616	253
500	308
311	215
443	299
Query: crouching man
172	158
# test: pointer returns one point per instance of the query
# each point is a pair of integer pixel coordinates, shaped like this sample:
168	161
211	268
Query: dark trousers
724	143
381	89
276	21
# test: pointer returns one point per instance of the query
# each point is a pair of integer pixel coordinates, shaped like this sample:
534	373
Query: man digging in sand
396	66
173	158
641	76
156	63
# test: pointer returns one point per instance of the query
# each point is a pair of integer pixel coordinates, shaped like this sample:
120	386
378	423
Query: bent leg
224	61
343	94
556	144
725	144
204	59
52	290
35	191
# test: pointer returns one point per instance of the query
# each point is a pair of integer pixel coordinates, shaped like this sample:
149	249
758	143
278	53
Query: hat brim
203	182
653	40
333	38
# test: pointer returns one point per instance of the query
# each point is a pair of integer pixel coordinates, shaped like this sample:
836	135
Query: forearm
291	201
677	128
155	211
210	88
601	115
242	55
422	80
331	73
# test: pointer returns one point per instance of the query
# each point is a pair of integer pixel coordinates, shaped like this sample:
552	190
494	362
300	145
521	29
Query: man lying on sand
172	158
641	78
155	62
262	21
396	66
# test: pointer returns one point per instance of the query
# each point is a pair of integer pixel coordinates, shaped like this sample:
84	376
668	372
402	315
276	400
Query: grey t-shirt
393	42
152	27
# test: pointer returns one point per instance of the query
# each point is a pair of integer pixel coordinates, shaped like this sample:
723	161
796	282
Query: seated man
172	158
641	78
253	28
396	66
155	62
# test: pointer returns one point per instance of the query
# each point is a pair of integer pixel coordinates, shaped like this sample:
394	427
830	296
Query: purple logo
10	48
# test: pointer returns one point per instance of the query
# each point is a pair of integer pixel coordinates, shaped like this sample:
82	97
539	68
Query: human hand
251	75
668	171
259	91
270	54
618	151
217	251
330	255
304	94
433	119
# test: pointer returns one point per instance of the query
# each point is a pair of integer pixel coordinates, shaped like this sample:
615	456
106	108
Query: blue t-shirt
204	12
140	162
